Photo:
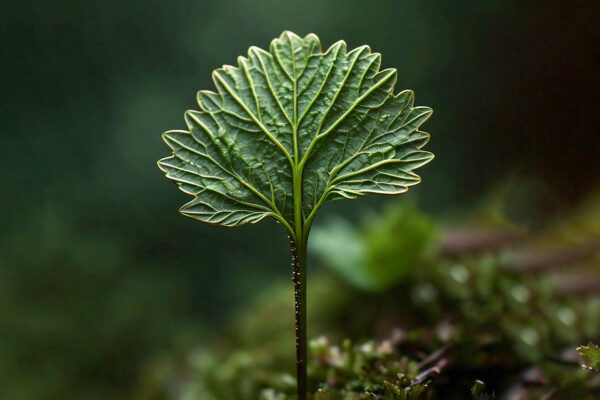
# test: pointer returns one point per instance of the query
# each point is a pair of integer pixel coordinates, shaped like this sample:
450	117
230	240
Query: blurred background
99	274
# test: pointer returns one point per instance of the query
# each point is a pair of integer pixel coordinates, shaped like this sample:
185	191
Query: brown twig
458	242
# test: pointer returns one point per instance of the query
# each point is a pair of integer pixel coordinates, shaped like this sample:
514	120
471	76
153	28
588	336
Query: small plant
286	131
590	355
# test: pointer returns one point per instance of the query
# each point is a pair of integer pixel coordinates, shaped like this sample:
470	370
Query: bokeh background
99	274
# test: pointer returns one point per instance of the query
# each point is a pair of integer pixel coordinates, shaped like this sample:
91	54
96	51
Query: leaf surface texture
329	119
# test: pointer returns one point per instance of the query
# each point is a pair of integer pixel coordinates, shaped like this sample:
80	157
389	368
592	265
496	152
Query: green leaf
294	127
590	355
381	252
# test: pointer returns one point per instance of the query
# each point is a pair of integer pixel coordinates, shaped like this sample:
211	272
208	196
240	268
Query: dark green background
99	273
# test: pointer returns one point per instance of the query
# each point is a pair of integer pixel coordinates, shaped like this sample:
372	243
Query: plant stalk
298	248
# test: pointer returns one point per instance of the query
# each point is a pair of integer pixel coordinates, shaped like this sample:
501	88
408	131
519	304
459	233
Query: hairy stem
299	278
300	235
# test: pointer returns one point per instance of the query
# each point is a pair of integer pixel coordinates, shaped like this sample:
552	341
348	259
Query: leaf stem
298	247
298	250
299	278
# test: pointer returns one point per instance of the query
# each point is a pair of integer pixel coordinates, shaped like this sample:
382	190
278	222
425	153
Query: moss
473	319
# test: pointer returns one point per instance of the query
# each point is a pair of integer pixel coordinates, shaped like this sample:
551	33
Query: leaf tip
314	38
188	116
167	137
255	50
408	94
242	61
161	163
339	45
289	34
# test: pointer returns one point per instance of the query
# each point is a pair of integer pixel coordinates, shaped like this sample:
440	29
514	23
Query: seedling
288	130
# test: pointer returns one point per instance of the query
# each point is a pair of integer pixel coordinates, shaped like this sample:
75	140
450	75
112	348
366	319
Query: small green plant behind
286	131
590	355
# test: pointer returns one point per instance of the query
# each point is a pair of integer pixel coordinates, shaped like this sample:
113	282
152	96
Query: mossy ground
490	310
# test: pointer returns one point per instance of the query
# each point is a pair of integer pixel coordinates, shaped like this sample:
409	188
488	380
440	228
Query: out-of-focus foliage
402	237
590	355
481	302
75	322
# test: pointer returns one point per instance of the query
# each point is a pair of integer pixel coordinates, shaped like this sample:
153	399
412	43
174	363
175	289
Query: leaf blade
330	118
